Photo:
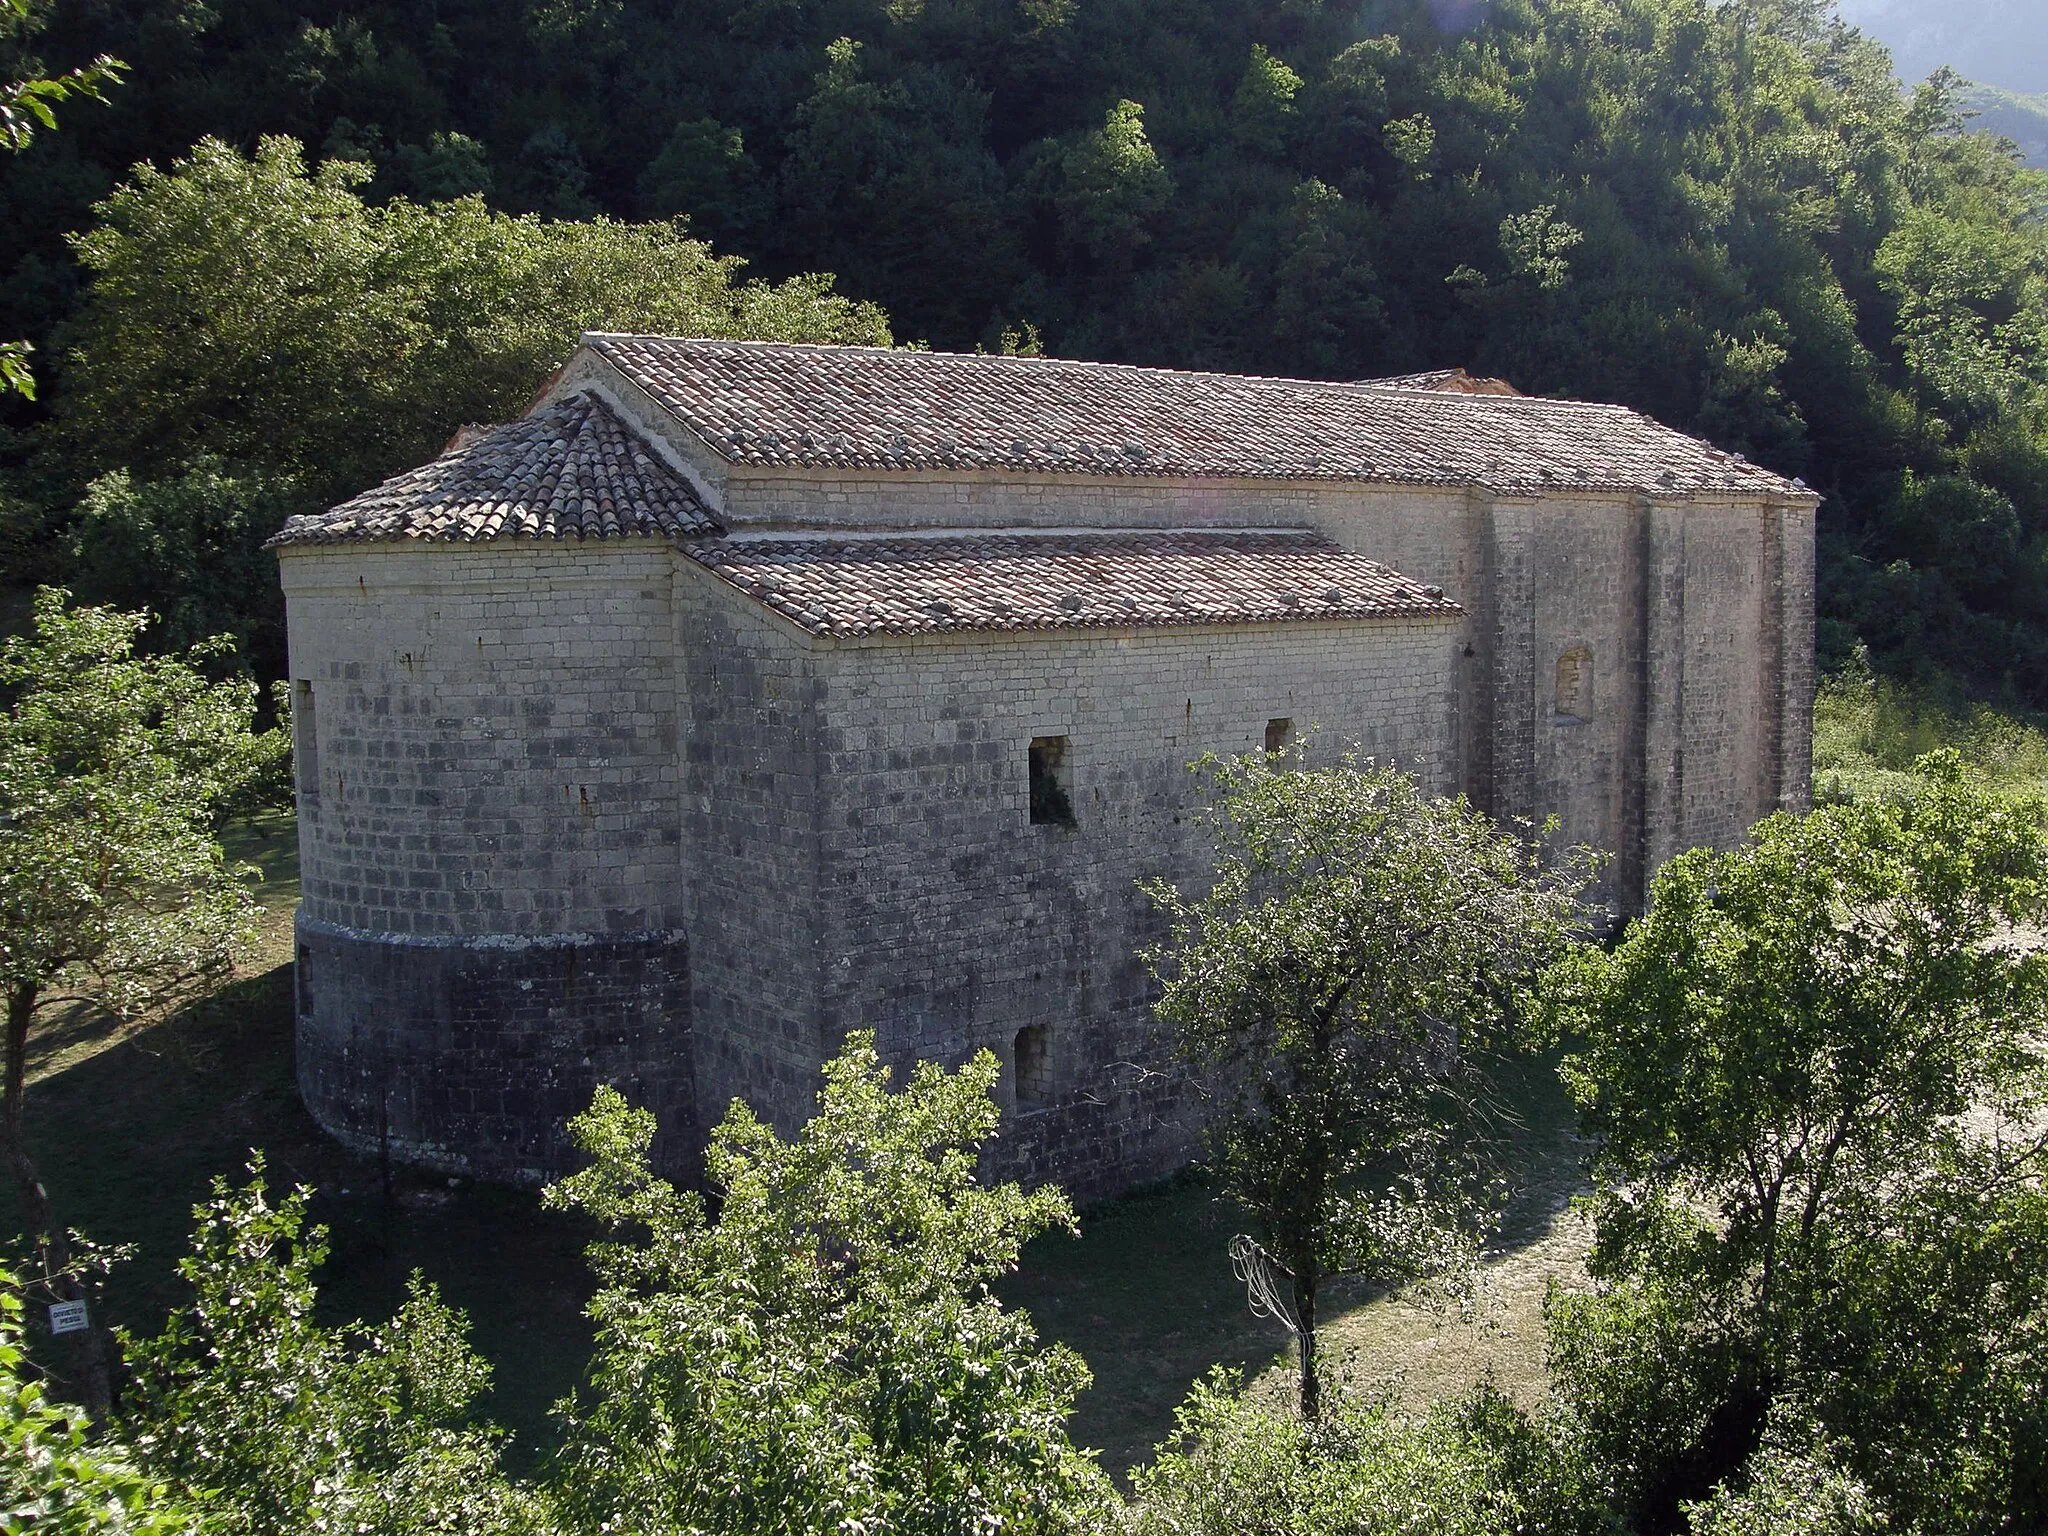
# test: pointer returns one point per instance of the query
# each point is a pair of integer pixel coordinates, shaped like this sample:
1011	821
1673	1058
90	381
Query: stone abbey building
744	694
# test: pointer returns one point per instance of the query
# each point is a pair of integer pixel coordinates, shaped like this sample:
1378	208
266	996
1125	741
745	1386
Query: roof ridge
888	535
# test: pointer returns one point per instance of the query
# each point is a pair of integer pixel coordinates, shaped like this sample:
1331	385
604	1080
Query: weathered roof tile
788	405
572	469
966	580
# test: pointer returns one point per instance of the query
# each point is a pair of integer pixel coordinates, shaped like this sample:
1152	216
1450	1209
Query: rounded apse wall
469	1055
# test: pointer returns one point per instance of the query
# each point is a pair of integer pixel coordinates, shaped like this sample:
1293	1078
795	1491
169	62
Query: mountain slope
2023	119
2004	42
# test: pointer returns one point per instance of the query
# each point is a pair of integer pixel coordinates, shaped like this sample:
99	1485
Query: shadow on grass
1147	1297
129	1138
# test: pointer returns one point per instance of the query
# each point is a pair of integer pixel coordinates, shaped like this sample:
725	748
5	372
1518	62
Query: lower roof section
960	580
570	470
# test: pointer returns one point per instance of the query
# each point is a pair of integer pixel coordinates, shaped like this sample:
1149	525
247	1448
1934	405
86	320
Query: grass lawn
1146	1295
129	1126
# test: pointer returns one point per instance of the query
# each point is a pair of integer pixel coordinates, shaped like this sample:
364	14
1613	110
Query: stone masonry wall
748	697
497	748
489	846
950	922
469	1056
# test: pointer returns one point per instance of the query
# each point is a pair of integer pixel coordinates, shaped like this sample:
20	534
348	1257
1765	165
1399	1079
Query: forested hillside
1726	215
2012	115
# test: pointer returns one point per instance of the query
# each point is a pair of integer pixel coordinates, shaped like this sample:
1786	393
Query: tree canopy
267	1419
114	889
826	1353
249	308
1814	1079
1725	214
1338	989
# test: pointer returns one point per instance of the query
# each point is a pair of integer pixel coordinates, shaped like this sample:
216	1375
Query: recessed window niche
1575	684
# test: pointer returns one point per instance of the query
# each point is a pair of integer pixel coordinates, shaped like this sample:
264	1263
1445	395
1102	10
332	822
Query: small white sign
67	1317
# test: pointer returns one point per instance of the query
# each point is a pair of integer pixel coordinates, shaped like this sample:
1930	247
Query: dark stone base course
468	1056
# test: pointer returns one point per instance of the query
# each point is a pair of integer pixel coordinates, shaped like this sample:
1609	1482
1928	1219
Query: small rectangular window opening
305	740
302	974
1278	734
1575	684
1050	804
1033	1066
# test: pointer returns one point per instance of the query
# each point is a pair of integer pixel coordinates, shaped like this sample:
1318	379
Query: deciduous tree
274	1422
25	106
826	1354
256	310
1339	987
1814	1077
55	1475
113	885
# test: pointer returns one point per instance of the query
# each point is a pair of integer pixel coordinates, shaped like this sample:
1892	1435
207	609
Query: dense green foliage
2019	116
1726	215
1816	1081
826	1353
1473	1467
115	769
1869	731
28	105
356	333
269	1421
54	1477
1338	989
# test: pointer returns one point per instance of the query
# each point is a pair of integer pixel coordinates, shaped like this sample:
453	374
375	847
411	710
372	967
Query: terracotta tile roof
965	580
774	404
572	469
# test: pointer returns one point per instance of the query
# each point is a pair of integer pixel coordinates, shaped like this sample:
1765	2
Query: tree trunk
95	1382
1305	1346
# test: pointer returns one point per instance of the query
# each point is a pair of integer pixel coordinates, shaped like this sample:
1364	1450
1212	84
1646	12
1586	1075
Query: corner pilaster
1511	528
1664	830
1794	594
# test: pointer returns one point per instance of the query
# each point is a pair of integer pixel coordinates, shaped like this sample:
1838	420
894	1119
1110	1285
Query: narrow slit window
1051	804
305	739
1575	684
1279	733
1032	1064
302	976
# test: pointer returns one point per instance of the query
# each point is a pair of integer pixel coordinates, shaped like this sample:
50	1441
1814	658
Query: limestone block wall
948	921
470	1055
1568	618
748	699
497	741
530	770
489	849
1646	672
